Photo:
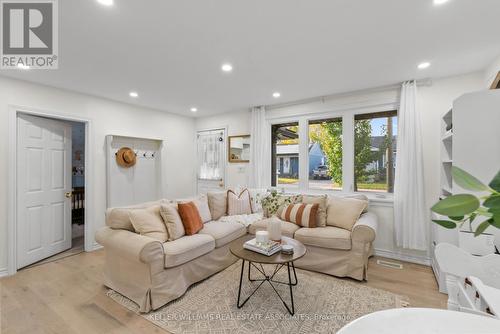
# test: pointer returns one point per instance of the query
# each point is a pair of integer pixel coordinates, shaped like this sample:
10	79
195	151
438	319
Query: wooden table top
299	250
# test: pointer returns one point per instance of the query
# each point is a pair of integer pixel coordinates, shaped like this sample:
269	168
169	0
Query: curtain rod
423	83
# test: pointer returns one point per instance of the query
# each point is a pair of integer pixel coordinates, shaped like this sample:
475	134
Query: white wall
107	117
237	123
491	72
434	101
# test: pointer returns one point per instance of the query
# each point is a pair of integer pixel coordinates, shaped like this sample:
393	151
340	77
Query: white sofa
152	273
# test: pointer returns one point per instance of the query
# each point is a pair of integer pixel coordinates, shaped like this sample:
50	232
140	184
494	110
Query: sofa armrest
131	245
365	229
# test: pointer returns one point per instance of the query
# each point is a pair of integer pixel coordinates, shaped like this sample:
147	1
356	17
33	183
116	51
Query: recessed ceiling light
276	94
423	65
133	94
106	2
440	2
227	67
194	109
23	67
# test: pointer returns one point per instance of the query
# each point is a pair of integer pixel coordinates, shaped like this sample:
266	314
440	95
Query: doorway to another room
50	189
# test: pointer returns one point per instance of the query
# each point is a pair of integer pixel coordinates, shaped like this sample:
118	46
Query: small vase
274	229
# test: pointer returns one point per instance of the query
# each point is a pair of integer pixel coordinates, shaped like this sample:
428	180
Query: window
375	151
285	151
325	154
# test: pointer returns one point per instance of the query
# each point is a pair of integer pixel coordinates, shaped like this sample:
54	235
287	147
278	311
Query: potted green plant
466	208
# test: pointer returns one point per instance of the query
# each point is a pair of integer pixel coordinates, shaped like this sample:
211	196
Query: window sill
376	199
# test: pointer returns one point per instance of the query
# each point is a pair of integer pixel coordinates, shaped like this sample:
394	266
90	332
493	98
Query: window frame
348	118
371	116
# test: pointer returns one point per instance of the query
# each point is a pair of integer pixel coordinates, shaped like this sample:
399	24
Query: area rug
323	304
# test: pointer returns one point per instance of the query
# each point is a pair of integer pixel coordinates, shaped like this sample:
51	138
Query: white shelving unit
440	234
470	140
446	153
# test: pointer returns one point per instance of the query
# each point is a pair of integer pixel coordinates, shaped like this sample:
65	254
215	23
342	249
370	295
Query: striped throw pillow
301	214
239	204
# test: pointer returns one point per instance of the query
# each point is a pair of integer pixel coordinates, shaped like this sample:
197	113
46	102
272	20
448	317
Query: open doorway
50	189
78	187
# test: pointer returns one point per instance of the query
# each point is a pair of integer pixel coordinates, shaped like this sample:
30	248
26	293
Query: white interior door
211	160
43	188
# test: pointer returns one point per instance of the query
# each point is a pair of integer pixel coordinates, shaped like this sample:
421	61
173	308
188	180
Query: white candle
262	237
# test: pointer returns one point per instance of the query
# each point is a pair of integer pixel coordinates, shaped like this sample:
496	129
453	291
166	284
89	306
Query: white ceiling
171	52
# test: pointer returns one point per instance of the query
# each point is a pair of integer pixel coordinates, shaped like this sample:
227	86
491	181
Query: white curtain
260	148
410	214
210	152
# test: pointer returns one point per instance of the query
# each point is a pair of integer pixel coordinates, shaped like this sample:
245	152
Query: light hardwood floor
67	296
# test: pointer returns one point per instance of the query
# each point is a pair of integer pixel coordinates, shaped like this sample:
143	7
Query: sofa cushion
148	222
187	248
344	212
325	237
119	218
217	203
190	216
239	203
301	214
173	221
361	197
322	201
223	232
287	229
273	201
201	203
256	195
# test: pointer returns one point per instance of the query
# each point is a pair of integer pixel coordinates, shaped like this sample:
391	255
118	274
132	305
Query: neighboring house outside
377	144
287	160
287	157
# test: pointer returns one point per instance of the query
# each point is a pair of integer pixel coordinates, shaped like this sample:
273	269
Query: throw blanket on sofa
245	220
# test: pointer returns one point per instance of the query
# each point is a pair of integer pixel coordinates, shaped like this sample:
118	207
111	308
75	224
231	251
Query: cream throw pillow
344	212
201	203
148	222
322	202
172	221
239	204
217	203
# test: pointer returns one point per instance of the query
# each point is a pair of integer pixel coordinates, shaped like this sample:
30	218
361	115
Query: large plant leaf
480	229
445	223
456	205
492	203
467	181
495	183
495	221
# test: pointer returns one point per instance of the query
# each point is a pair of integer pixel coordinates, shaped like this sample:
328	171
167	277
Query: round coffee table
278	259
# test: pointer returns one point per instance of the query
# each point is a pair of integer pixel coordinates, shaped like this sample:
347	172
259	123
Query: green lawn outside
361	186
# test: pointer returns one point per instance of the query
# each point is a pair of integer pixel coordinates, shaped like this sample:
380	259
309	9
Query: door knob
68	194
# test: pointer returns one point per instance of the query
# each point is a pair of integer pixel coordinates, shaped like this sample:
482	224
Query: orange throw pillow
191	218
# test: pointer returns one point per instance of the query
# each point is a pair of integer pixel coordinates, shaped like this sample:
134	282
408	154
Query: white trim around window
347	114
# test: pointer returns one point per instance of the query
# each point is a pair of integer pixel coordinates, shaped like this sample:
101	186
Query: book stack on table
269	248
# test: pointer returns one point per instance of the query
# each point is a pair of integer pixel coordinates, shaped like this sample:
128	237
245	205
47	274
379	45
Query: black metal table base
270	279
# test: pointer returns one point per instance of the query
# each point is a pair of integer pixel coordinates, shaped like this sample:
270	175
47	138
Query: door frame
14	111
215	128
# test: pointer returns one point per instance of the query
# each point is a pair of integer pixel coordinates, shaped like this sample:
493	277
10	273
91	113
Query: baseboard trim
424	260
95	247
4	272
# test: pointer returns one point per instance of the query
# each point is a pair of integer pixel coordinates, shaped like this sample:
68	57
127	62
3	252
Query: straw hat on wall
125	157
